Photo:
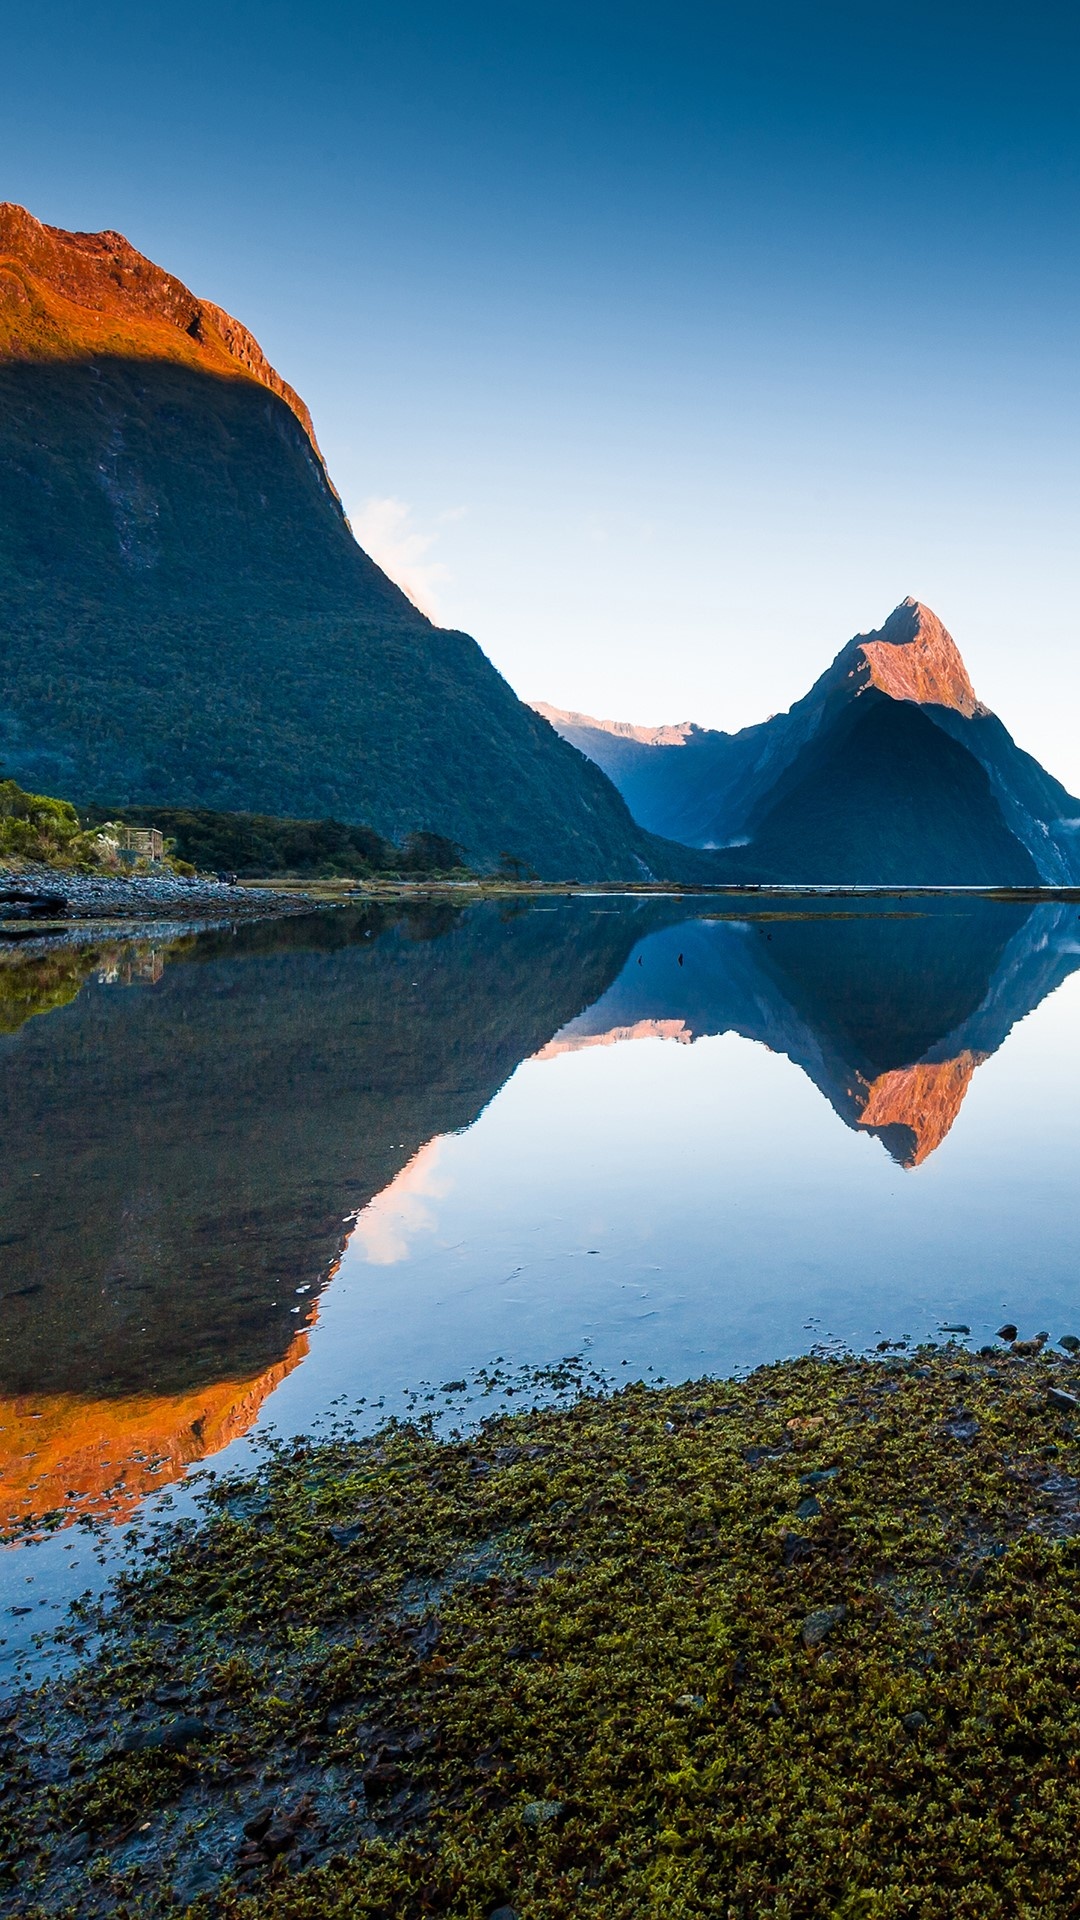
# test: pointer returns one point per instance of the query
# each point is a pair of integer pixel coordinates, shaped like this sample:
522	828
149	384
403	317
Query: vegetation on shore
265	846
40	830
801	1645
34	827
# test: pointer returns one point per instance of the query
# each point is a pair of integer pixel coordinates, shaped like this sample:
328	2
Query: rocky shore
53	895
803	1644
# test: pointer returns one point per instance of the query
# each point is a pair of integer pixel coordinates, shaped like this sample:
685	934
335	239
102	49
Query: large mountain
185	616
889	770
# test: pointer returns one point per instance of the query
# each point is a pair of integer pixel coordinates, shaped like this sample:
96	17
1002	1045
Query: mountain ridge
61	290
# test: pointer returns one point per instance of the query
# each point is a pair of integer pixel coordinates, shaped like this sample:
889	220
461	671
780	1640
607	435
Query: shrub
35	827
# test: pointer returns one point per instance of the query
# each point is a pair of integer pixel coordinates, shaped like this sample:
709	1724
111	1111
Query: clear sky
662	347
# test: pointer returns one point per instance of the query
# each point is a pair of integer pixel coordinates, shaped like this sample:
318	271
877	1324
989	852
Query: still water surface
263	1174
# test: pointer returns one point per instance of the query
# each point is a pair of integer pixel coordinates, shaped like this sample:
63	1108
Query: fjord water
255	1175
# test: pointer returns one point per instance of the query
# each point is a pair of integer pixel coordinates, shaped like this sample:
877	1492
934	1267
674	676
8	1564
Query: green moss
605	1659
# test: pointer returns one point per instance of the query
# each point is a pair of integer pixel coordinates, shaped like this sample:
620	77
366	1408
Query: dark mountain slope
884	797
679	776
952	801
186	616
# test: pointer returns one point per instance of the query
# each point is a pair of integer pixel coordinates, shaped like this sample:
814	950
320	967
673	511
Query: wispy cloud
386	529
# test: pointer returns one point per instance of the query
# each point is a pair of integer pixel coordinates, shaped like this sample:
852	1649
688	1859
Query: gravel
93	896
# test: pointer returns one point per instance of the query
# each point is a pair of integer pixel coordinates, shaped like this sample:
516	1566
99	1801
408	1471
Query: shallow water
252	1177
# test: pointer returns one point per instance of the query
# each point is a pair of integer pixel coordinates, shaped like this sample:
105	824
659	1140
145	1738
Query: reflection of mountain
889	1016
921	1102
184	1154
180	1158
87	1456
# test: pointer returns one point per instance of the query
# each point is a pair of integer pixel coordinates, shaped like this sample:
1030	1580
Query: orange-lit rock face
925	1099
102	1456
927	668
73	296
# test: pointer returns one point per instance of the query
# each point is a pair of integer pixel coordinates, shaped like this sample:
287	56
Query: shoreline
806	1639
104	905
325	891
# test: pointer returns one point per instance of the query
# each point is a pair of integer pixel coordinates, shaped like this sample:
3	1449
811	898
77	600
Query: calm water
257	1175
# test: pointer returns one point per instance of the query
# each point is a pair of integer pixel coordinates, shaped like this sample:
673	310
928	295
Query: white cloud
385	529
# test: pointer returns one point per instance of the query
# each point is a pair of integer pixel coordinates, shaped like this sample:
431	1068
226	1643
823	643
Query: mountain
888	771
187	617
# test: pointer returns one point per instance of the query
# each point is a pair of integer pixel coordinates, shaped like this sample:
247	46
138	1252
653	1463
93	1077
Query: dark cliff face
889	770
187	617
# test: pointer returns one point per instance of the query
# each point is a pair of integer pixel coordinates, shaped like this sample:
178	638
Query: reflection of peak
912	1108
913	657
103	1456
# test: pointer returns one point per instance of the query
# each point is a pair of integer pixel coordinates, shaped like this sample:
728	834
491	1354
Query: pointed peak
914	657
922	1101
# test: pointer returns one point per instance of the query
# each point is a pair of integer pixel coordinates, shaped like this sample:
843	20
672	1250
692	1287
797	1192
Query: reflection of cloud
388	1223
384	529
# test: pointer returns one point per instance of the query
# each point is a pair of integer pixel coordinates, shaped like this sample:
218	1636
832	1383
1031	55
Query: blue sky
662	348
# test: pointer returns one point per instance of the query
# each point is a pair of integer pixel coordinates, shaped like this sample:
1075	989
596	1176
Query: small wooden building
147	843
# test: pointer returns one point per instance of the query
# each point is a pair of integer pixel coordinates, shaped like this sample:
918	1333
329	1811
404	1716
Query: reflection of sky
664	347
686	1209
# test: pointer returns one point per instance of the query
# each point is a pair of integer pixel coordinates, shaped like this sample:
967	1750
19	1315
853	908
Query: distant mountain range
187	619
888	771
